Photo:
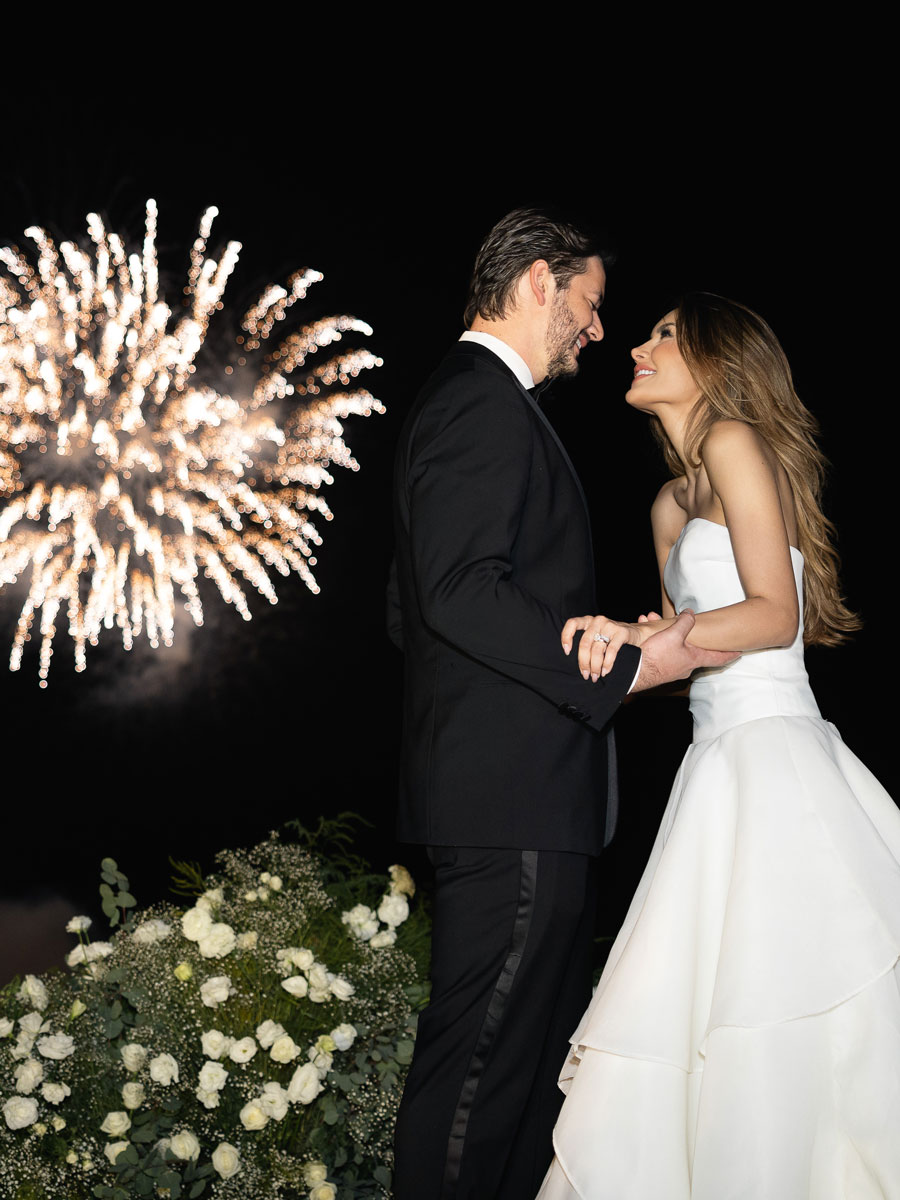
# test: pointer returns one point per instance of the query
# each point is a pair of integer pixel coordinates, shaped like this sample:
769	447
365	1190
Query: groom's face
574	320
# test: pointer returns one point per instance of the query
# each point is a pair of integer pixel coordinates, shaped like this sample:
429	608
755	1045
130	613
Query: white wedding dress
744	1040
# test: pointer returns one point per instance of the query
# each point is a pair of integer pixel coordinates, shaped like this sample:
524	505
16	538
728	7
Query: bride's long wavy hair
743	375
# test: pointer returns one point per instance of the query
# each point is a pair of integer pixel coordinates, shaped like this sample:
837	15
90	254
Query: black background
239	727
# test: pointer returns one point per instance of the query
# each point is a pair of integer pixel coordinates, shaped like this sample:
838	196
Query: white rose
323	1191
247	941
361	921
319	977
133	1056
33	1023
341	988
263	893
28	1075
20	1111
24	1045
393	909
284	1049
264	877
243	1050
6	1026
285	959
275	883
253	1116
314	1172
116	1123
33	992
250	896
296	985
343	1036
303	959
320	1059
211	899
386	937
196	924
226	1160
401	881
77	956
267	1032
274	1101
216	991
164	1069
151	931
112	1150
305	1085
133	1095
97	950
209	1099
212	1076
218	942
184	1145
78	924
55	1093
215	1043
57	1046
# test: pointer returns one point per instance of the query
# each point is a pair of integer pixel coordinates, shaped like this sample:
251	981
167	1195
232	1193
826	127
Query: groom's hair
524	235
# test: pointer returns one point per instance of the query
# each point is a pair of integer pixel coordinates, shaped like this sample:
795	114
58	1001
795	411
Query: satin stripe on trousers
511	964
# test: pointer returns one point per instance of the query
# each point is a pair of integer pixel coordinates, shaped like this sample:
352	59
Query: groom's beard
562	334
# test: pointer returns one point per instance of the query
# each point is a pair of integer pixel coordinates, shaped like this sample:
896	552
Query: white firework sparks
123	476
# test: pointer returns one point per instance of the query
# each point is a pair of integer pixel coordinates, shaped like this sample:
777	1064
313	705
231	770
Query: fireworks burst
123	475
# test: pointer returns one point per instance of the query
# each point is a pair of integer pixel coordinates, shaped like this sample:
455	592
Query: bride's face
660	373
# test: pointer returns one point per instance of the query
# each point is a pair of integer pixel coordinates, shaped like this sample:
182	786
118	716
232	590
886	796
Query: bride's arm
742	475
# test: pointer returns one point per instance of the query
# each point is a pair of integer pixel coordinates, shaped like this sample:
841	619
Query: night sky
239	727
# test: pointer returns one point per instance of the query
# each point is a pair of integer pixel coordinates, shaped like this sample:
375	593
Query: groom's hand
667	655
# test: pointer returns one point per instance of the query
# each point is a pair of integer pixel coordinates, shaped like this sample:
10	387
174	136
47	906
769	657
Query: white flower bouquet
251	1045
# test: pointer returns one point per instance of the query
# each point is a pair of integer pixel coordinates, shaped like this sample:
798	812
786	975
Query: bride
744	1040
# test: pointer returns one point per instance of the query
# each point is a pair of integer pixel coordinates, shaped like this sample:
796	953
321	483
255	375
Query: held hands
601	640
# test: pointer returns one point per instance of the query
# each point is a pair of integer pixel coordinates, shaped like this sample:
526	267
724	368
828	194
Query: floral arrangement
250	1045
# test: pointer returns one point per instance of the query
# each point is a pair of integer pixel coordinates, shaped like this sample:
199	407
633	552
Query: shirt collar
513	360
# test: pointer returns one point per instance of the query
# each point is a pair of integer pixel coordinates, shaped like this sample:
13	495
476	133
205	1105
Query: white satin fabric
744	1040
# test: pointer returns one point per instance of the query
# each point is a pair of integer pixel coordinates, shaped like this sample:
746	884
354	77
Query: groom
507	772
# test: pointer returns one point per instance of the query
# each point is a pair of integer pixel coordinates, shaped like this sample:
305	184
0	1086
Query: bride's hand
601	640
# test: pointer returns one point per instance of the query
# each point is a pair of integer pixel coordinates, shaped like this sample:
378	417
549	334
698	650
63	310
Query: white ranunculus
78	924
55	1093
28	1075
212	1076
323	1191
262	893
267	1032
341	988
215	1043
275	883
264	877
58	1124
97	950
133	1094
218	942
116	1123
274	1101
393	909
343	1036
184	1145
305	1085
314	1172
208	1097
164	1069
226	1160
57	1045
284	1049
33	992
211	899
385	937
361	921
134	1055
253	1116
151	931
243	1050
296	985
248	940
112	1150
6	1027
20	1111
196	924
216	990
250	896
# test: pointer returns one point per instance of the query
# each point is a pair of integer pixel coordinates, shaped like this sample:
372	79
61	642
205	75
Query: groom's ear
540	282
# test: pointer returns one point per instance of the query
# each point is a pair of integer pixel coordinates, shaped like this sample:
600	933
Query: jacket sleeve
393	609
467	477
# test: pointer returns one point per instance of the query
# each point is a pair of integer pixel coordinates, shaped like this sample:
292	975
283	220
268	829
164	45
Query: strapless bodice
701	574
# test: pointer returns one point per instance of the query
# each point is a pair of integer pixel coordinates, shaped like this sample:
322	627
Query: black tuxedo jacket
501	740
